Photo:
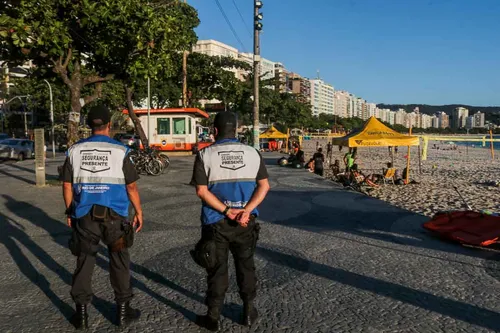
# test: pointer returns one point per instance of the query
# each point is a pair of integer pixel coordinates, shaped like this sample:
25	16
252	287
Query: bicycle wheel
165	160
154	167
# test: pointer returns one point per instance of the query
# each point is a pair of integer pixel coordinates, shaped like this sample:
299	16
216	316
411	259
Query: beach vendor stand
270	136
172	129
375	134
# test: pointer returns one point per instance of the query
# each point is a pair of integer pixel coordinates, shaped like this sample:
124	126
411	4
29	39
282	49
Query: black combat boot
81	318
250	314
126	314
210	321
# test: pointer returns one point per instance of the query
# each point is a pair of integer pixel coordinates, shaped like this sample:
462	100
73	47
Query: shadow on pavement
325	210
26	180
454	309
56	228
12	233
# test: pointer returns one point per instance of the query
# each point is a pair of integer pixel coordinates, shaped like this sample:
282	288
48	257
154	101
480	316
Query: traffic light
258	16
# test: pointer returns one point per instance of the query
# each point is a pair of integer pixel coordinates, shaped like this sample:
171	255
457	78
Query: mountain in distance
492	113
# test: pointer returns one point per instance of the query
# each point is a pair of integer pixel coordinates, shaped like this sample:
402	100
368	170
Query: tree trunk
74	116
137	123
75	83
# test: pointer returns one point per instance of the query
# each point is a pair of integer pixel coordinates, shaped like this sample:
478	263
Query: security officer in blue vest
231	180
99	181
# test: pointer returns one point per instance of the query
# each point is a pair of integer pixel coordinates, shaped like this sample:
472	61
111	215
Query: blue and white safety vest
98	177
231	168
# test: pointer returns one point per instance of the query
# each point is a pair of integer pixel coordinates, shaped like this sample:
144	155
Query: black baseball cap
98	115
225	121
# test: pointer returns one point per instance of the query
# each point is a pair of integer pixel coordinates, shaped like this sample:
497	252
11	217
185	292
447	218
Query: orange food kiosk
172	129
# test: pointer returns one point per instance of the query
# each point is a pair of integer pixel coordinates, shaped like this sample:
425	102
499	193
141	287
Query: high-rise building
322	98
266	66
301	87
411	120
435	121
215	48
359	106
459	117
281	77
400	117
342	100
469	122
479	119
444	119
371	110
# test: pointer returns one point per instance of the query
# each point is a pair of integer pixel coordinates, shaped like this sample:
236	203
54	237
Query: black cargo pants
89	233
241	241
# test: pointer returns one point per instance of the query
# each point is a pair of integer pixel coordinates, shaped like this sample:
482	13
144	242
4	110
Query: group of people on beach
347	174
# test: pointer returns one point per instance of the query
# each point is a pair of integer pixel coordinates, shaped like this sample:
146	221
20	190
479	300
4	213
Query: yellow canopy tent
272	133
375	134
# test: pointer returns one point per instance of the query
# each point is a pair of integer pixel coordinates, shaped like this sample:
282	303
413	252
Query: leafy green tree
126	39
140	39
53	34
209	77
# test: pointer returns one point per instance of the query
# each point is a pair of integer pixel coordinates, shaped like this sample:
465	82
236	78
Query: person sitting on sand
335	167
298	158
389	166
356	175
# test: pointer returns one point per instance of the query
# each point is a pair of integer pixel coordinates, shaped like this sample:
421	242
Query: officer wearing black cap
99	181
231	180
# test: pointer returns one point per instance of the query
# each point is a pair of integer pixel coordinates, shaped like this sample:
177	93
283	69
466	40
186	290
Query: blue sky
386	51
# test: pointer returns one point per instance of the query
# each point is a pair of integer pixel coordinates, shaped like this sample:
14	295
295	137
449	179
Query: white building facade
322	97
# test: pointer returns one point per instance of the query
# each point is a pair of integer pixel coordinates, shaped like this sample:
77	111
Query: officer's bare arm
204	194
258	195
68	194
135	199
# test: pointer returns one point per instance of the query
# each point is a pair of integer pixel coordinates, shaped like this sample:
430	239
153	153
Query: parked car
19	149
3	136
131	140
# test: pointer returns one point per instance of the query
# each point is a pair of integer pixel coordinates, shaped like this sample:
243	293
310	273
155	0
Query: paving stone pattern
329	260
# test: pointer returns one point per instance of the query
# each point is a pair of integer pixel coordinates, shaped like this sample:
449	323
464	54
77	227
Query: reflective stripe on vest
232	169
98	177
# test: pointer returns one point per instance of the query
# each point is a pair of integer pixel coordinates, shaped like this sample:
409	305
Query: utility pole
256	72
184	76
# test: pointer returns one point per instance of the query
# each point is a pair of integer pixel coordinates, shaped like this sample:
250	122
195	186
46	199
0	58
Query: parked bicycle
150	161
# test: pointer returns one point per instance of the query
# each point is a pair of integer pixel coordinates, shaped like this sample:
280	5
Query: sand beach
470	169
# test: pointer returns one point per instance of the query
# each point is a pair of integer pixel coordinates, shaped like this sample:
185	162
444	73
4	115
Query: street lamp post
52	119
256	71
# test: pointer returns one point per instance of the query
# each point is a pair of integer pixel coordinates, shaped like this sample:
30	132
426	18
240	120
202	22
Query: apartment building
459	117
479	119
301	87
281	77
322	97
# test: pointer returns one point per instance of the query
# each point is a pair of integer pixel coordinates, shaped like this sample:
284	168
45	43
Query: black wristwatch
226	210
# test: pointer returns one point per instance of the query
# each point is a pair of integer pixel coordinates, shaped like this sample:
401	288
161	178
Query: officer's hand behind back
243	218
232	213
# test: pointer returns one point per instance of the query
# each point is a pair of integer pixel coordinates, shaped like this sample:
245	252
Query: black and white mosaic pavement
328	260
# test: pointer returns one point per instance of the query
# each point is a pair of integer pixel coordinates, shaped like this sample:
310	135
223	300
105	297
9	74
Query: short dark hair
96	128
98	117
226	124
